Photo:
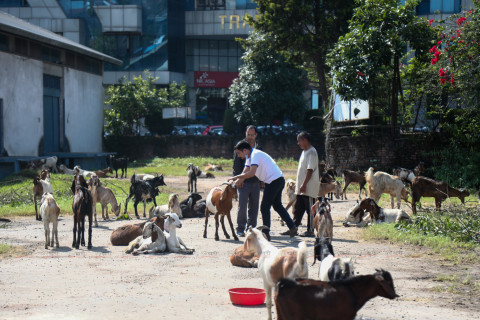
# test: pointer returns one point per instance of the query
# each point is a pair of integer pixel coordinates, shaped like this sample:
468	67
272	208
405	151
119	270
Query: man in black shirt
249	192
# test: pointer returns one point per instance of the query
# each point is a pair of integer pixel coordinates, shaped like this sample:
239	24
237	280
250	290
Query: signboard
212	79
168	113
350	110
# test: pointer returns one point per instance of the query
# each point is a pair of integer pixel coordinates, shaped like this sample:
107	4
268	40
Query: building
50	91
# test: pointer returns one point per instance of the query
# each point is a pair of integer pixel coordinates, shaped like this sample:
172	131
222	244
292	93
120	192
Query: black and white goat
331	267
143	190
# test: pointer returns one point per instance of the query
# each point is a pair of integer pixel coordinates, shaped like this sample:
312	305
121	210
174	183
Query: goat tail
302	258
369	175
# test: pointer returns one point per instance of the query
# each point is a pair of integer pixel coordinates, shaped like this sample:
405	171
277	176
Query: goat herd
285	269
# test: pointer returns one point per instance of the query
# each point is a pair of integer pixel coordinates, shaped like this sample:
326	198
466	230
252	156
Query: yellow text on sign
232	20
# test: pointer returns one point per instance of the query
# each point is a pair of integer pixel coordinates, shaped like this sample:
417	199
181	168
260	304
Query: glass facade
442	6
202	5
213	55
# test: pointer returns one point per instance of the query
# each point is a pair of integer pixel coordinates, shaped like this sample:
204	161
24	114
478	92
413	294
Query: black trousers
302	205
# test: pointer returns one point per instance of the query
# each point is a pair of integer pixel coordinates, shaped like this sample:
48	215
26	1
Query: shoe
241	234
293	232
286	233
308	234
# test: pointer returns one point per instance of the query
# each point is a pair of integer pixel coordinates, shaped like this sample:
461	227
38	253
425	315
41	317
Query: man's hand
303	188
239	183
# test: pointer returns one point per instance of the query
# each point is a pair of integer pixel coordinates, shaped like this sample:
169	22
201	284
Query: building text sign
212	79
233	21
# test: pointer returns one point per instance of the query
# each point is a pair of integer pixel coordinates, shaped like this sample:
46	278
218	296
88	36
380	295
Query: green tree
305	30
370	53
268	87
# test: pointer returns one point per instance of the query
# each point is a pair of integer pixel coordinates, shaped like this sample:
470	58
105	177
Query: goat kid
142	190
49	210
322	219
275	264
219	202
81	206
172	206
128	232
335	300
104	196
118	163
350	176
290	186
331	268
152	240
174	243
40	186
192	177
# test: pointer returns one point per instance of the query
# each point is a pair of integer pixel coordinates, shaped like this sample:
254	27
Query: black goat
190	208
192	177
143	190
81	206
118	164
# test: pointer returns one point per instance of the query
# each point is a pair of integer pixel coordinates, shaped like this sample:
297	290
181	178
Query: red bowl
247	296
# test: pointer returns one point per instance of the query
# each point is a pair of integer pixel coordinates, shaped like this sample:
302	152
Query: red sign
212	79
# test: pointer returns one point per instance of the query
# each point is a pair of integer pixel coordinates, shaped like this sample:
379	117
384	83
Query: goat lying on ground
103	173
213	167
357	215
426	187
63	169
126	233
152	240
104	196
322	220
143	190
201	174
175	243
82	206
350	176
189	206
382	182
84	173
275	264
49	210
192	178
335	300
49	163
118	163
40	186
244	257
219	202
172	206
331	268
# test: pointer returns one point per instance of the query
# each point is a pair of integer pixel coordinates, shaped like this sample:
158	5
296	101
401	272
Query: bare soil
106	283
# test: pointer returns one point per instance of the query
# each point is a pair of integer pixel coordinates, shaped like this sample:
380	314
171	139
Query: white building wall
83	110
21	88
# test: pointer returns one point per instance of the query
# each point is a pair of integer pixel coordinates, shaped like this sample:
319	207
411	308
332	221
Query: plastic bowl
247	296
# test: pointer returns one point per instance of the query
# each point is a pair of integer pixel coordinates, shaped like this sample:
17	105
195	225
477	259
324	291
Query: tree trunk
395	92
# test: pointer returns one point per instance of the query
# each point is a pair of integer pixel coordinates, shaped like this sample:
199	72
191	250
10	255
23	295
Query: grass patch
178	166
454	251
5	248
452	283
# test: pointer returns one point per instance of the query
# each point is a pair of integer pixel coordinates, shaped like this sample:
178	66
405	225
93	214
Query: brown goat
103	173
334	300
219	202
40	186
322	221
350	176
244	257
426	187
128	232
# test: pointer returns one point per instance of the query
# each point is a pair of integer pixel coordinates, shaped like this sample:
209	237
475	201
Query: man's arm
303	187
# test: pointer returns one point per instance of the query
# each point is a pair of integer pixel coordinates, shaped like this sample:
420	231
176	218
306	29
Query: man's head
304	140
243	149
251	135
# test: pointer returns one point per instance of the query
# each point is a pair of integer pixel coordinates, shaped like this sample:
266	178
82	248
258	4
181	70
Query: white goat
331	268
63	169
84	173
357	216
104	196
382	182
49	210
172	206
275	264
174	243
152	240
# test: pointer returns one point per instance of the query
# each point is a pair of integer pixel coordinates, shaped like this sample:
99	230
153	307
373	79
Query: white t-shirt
308	160
267	169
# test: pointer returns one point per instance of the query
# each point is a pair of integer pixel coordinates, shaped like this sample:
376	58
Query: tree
369	54
268	87
305	30
130	102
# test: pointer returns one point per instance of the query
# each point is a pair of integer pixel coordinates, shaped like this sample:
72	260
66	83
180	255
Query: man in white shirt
308	183
261	165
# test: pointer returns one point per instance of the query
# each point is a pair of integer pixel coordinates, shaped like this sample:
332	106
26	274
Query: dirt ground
106	283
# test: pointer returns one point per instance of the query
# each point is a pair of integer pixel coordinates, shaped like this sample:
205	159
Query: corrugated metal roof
13	25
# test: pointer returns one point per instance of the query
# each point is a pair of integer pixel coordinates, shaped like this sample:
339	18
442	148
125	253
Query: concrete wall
21	88
83	110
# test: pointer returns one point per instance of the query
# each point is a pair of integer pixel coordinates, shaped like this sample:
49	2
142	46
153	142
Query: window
21	46
4	44
210	5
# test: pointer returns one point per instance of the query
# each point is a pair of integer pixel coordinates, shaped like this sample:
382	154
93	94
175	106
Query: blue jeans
272	196
248	196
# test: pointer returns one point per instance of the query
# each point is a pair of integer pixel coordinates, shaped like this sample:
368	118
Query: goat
335	300
213	167
104	196
382	182
40	186
84	173
118	163
81	206
322	221
331	268
405	175
192	178
63	169
350	176
201	174
290	186
103	173
189	205
426	187
195	211
419	168
46	163
219	202
244	257
330	187
49	210
172	206
152	240
175	243
143	190
275	264
356	216
128	232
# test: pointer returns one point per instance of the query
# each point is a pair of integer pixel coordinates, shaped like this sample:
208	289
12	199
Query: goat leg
231	227
74	243
89	232
216	227
207	213
222	220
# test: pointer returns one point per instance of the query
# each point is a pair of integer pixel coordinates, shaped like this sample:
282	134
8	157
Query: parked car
209	128
217	132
